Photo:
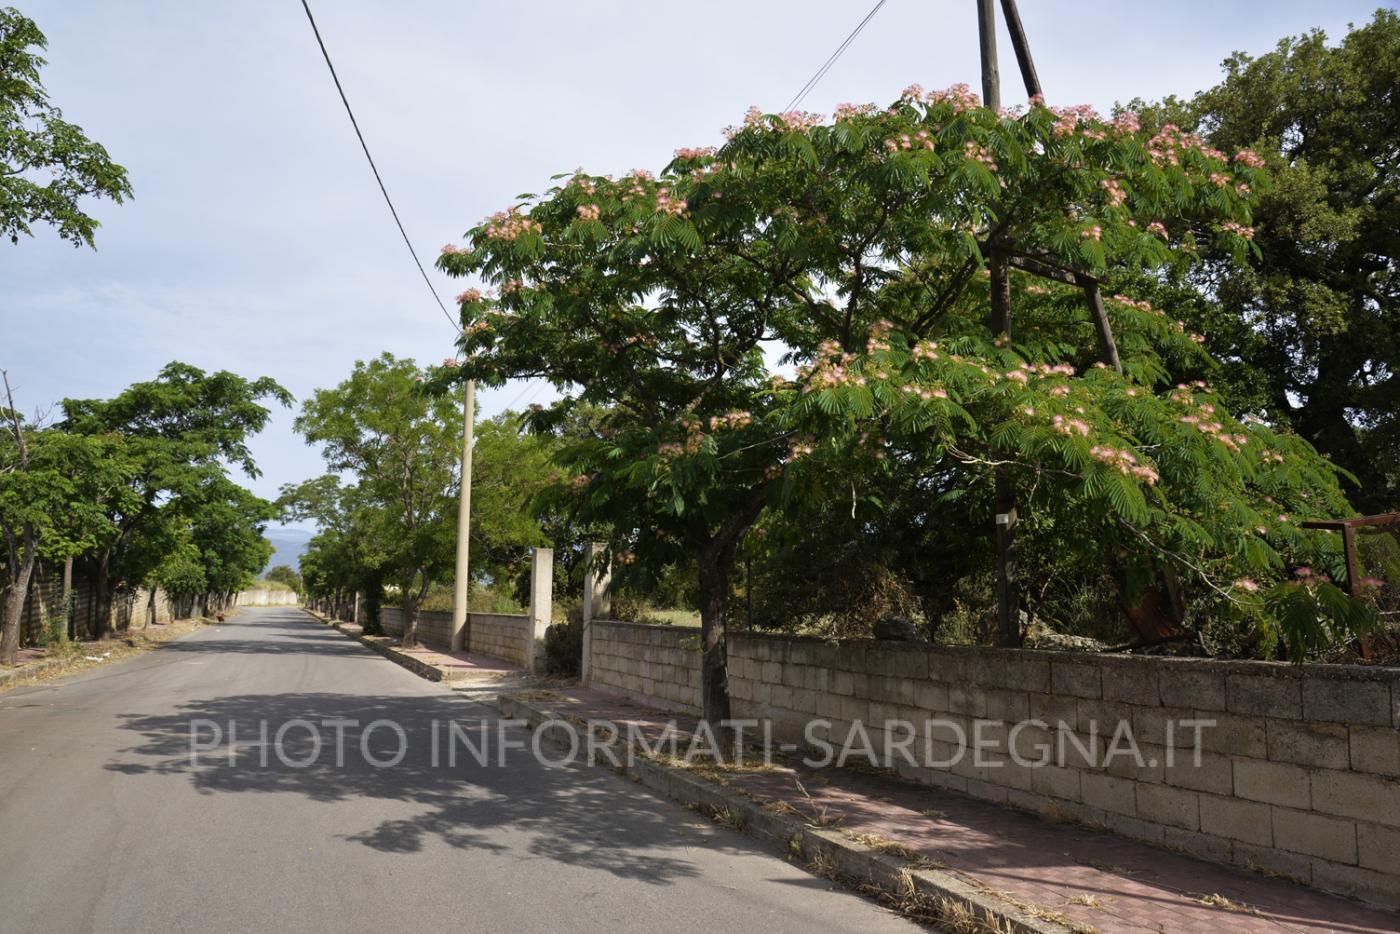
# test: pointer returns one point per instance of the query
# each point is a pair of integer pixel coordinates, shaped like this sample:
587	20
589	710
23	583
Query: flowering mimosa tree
857	250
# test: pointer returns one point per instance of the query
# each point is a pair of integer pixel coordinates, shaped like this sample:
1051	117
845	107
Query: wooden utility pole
1008	598
461	588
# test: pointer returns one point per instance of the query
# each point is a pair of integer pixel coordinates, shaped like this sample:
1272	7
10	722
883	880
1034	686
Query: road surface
107	825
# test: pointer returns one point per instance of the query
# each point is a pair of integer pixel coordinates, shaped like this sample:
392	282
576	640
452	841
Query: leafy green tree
1309	328
49	485
172	437
35	141
403	446
285	575
868	251
346	555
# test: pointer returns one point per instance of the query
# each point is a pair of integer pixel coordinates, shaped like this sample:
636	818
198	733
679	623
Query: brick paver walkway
1094	878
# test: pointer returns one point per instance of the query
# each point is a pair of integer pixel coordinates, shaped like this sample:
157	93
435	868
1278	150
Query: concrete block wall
434	626
261	597
657	665
1300	775
500	635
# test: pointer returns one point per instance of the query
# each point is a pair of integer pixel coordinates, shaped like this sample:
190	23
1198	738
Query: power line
840	50
374	168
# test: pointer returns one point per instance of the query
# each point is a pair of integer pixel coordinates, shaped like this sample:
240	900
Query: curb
420	668
39	667
859	866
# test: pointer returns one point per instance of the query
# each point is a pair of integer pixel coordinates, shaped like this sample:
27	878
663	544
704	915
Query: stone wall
500	635
434	626
265	597
657	665
1300	774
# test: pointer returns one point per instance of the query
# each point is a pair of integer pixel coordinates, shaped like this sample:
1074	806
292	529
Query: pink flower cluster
667	204
470	295
510	224
1158	228
1070	426
1125	462
847	111
923	392
1238	230
973	151
1250	158
1114	191
1094	233
588	212
1071	117
1142	305
919	140
449	248
924	350
700	152
731	420
960	96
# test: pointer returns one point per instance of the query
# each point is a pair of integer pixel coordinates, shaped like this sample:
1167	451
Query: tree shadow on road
574	814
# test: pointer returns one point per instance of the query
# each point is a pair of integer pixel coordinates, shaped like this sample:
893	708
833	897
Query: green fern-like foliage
770	321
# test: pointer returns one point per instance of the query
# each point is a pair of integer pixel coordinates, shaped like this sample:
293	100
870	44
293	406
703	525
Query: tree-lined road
106	826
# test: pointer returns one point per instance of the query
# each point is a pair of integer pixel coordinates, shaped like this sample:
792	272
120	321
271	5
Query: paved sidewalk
435	663
1092	879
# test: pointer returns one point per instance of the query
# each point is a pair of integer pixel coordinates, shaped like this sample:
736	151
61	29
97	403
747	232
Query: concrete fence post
597	599
541	610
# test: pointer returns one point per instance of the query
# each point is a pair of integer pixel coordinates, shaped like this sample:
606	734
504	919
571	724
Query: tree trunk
714	598
410	616
14	608
102	599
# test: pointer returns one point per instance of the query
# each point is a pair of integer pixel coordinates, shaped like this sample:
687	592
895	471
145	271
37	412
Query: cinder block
1375	749
1181	686
1103	717
1008	706
1378	848
1136	828
1302	742
969	701
1056	782
1272	782
1292	866
1248	821
1025	673
1200	772
1355	881
1346	701
1264	695
1116	795
1355	794
1154	724
1055	711
944	664
1175	807
1315	835
1129	683
1075	678
1148	765
1233	736
931	697
842	682
1204	845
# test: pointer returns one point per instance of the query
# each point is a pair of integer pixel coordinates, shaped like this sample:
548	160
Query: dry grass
83	656
1215	900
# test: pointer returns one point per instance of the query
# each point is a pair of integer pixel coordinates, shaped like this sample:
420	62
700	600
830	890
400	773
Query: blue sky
258	242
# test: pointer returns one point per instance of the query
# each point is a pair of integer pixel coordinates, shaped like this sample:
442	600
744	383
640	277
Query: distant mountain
289	545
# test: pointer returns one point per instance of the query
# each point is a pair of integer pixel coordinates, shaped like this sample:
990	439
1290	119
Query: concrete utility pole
462	581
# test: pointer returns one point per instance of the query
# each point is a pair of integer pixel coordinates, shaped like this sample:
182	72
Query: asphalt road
107	825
